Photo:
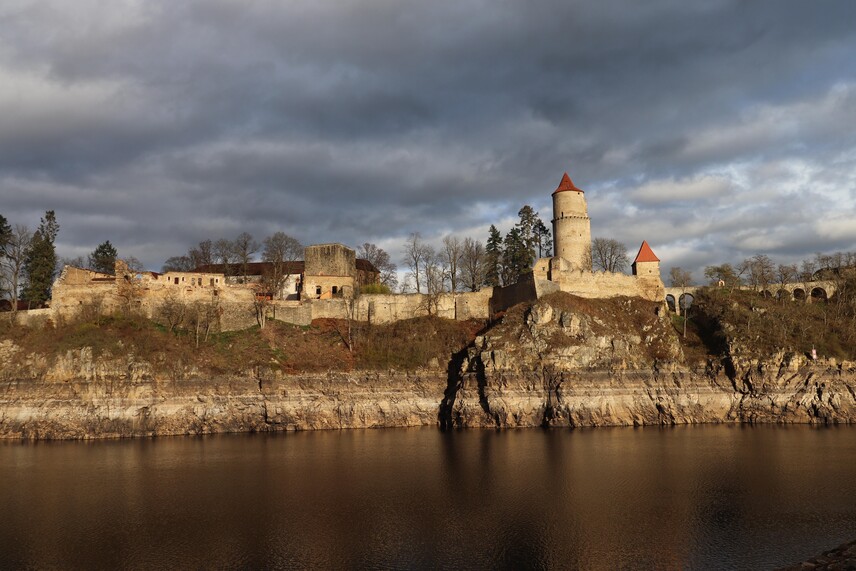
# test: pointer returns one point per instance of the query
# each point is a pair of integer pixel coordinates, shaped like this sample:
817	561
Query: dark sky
715	129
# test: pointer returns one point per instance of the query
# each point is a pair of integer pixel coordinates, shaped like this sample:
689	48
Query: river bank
560	362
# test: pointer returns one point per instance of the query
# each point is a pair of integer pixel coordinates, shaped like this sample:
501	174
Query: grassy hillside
324	345
762	325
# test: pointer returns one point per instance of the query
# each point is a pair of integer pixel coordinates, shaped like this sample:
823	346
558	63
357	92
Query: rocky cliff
563	361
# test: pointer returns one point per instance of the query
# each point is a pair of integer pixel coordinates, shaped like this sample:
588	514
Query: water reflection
689	497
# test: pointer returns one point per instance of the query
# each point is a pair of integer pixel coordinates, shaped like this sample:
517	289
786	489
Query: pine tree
103	258
517	259
526	226
40	263
543	239
5	233
493	257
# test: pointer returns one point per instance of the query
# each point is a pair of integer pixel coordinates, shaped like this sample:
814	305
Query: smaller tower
646	264
571	225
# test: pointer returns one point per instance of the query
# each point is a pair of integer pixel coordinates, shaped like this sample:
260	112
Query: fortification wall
77	289
609	284
295	312
473	305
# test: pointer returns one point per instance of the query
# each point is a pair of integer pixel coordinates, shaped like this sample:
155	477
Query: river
697	497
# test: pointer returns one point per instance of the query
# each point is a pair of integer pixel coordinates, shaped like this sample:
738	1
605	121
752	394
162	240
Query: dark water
713	497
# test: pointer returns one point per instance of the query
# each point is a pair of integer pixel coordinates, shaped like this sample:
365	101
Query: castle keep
571	225
570	268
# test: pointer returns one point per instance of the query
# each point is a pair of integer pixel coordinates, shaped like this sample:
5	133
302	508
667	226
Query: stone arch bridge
677	297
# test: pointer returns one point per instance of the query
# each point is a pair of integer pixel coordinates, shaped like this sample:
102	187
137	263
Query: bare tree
178	264
173	310
203	317
434	279
12	258
759	270
380	260
202	255
724	274
785	274
682	279
473	264
609	255
280	250
807	270
416	253
224	254
261	301
452	254
245	248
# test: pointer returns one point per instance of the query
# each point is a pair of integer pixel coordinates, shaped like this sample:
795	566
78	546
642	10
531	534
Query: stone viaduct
678	297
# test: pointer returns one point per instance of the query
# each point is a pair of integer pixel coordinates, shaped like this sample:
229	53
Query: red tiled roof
646	254
366	266
567	184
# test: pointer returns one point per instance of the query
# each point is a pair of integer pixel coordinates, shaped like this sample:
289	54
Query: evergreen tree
40	263
526	226
543	239
103	258
5	233
516	257
493	257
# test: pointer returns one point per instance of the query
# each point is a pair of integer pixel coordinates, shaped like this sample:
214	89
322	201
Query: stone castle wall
553	274
329	260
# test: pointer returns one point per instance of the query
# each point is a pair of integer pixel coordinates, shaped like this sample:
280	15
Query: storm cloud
714	130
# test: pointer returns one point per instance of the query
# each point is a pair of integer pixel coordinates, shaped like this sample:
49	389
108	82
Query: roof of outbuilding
646	254
567	184
261	268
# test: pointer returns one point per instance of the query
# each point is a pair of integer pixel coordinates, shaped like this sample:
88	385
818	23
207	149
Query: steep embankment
564	361
572	362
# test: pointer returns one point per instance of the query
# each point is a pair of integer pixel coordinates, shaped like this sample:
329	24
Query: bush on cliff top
761	326
323	346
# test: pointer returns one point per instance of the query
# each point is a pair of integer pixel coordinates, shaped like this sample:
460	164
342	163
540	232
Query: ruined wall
330	271
78	289
330	260
609	284
510	295
327	287
295	312
473	305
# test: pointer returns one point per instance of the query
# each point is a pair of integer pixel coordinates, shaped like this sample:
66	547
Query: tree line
279	250
28	261
467	264
761	273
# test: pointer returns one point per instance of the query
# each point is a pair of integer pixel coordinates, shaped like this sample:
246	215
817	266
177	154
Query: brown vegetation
762	325
404	345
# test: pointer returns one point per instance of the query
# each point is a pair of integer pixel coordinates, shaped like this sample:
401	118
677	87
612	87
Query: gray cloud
713	129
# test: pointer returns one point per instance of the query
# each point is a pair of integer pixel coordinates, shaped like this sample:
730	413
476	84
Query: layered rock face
563	361
558	365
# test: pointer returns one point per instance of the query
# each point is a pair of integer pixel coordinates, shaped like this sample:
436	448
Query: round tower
571	225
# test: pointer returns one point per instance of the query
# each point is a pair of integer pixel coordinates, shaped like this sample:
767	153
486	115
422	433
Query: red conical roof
567	184
646	254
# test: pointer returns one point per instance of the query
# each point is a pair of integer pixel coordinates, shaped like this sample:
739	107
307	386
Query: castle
326	284
570	268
